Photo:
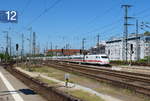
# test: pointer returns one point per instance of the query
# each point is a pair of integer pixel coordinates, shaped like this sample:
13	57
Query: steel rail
136	83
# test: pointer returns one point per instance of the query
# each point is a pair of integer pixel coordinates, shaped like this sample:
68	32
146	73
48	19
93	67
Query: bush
142	62
4	57
145	60
119	62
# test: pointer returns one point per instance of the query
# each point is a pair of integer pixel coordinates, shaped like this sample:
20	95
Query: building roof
60	50
119	40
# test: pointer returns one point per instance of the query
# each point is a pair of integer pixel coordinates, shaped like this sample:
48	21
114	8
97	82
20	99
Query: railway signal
131	47
17	47
131	52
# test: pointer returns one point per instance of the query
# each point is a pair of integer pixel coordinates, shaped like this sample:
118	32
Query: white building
140	44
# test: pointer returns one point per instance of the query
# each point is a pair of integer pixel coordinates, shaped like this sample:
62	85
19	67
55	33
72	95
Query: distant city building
98	49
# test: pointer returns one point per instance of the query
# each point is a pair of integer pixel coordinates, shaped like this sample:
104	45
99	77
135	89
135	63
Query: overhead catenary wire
25	7
142	11
145	16
107	27
41	14
47	9
104	27
111	29
104	13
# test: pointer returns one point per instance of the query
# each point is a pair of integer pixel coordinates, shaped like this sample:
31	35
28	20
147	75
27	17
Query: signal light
17	47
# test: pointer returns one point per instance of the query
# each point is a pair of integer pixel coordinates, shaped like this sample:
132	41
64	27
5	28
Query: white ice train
100	59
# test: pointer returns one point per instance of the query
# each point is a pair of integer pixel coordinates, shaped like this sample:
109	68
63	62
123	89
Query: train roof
97	55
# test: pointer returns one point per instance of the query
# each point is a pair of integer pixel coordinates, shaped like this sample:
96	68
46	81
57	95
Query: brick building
59	52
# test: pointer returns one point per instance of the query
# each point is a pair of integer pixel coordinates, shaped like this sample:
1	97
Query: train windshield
104	57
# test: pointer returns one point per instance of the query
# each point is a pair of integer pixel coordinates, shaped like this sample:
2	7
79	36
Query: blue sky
71	20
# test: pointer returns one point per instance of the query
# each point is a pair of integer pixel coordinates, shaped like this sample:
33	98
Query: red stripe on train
84	60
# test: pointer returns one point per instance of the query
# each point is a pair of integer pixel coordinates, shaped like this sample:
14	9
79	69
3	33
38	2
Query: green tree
147	33
4	57
1	56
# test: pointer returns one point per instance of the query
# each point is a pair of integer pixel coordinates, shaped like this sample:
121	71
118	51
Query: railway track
137	82
48	92
110	70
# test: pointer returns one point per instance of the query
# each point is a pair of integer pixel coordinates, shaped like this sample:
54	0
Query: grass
85	95
41	70
109	89
76	93
50	82
51	72
97	86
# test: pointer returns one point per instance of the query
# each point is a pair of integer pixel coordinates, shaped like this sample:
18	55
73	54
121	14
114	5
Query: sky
62	22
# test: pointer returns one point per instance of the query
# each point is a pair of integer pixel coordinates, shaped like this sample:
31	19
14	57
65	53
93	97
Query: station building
138	47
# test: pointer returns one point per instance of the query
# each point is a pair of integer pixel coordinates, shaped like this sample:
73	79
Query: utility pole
137	41
22	50
10	46
83	43
34	43
51	49
17	47
2	50
125	40
56	49
98	36
7	41
38	48
68	48
13	52
148	53
30	44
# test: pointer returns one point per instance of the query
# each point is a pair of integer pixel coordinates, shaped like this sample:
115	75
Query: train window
97	57
77	58
105	57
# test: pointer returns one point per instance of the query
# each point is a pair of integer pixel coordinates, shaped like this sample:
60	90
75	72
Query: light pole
29	50
83	43
6	52
30	44
2	50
